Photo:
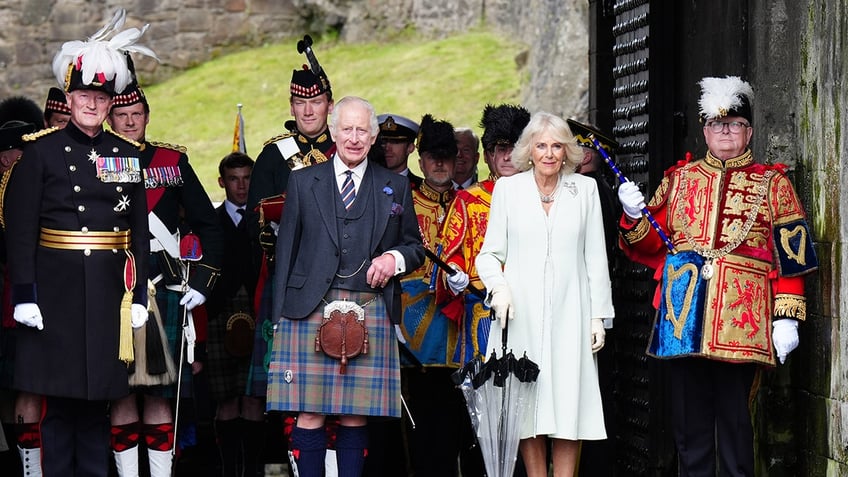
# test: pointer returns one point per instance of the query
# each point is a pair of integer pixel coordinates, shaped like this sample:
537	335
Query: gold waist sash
89	240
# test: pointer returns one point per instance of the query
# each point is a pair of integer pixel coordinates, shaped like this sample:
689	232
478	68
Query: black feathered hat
20	108
133	93
436	138
311	81
728	96
502	125
56	103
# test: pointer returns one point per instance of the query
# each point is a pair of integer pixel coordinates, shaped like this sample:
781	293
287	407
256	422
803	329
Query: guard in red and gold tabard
434	402
731	295
466	226
76	228
177	203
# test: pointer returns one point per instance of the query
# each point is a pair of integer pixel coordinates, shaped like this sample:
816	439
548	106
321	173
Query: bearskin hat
436	138
19	108
502	125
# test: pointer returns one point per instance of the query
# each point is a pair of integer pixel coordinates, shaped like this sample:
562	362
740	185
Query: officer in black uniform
76	225
177	202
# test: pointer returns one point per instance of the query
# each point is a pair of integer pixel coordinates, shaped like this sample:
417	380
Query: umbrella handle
504	336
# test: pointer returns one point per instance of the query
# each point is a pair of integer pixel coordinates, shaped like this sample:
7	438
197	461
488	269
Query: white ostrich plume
720	95
101	54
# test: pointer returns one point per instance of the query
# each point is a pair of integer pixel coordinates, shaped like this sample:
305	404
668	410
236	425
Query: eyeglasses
734	126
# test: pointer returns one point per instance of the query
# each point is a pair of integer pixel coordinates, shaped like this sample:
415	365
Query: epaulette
173	147
33	136
278	138
119	135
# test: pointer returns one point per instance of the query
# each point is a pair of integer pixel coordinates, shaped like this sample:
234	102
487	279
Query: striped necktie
348	191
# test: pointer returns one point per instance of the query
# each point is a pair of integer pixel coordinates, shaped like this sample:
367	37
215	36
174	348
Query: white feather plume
720	95
102	54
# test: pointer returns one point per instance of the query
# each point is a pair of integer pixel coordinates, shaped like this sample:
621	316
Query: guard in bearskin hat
177	205
731	294
76	228
431	337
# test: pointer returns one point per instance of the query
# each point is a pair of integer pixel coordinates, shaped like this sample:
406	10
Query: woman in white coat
544	261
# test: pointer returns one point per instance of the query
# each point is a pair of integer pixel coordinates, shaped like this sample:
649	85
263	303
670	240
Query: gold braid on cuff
790	306
637	233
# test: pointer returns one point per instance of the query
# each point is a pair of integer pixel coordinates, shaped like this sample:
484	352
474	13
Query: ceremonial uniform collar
440	197
320	141
77	135
747	158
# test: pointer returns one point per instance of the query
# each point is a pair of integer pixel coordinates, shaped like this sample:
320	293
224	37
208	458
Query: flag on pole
238	133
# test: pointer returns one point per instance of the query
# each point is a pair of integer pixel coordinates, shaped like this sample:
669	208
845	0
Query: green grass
453	79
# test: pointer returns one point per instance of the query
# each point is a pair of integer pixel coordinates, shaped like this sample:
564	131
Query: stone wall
188	32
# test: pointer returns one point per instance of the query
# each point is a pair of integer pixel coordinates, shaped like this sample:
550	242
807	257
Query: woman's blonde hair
542	122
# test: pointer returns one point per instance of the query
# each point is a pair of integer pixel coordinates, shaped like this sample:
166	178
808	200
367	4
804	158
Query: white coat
556	268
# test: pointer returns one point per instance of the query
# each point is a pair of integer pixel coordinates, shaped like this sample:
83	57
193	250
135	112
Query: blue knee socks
351	450
309	446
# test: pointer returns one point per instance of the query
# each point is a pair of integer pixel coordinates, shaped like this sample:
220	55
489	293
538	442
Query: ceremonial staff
588	135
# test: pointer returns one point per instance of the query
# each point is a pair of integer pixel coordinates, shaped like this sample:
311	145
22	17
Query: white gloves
598	334
785	337
29	314
139	315
192	298
458	281
501	301
632	200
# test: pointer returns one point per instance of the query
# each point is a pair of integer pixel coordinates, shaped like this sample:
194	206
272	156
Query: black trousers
711	417
75	438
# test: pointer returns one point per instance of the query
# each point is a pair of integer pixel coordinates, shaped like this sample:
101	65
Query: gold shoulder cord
4	181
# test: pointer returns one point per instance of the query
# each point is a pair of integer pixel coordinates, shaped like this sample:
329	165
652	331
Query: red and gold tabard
430	335
462	237
465	228
742	246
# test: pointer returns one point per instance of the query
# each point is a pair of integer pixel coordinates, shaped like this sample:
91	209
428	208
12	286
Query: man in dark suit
348	231
239	419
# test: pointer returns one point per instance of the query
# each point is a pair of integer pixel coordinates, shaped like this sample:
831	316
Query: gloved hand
192	298
785	337
139	315
598	334
632	200
268	238
458	281
29	314
501	302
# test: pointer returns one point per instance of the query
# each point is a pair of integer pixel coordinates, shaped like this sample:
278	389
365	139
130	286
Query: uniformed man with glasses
732	291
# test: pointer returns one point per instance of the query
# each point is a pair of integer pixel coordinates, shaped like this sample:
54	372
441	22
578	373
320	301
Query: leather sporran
238	339
342	334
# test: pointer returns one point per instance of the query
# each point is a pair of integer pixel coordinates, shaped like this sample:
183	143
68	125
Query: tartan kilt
371	383
257	378
227	374
172	319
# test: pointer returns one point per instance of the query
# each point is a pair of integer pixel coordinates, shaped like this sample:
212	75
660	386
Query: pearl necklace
548	198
